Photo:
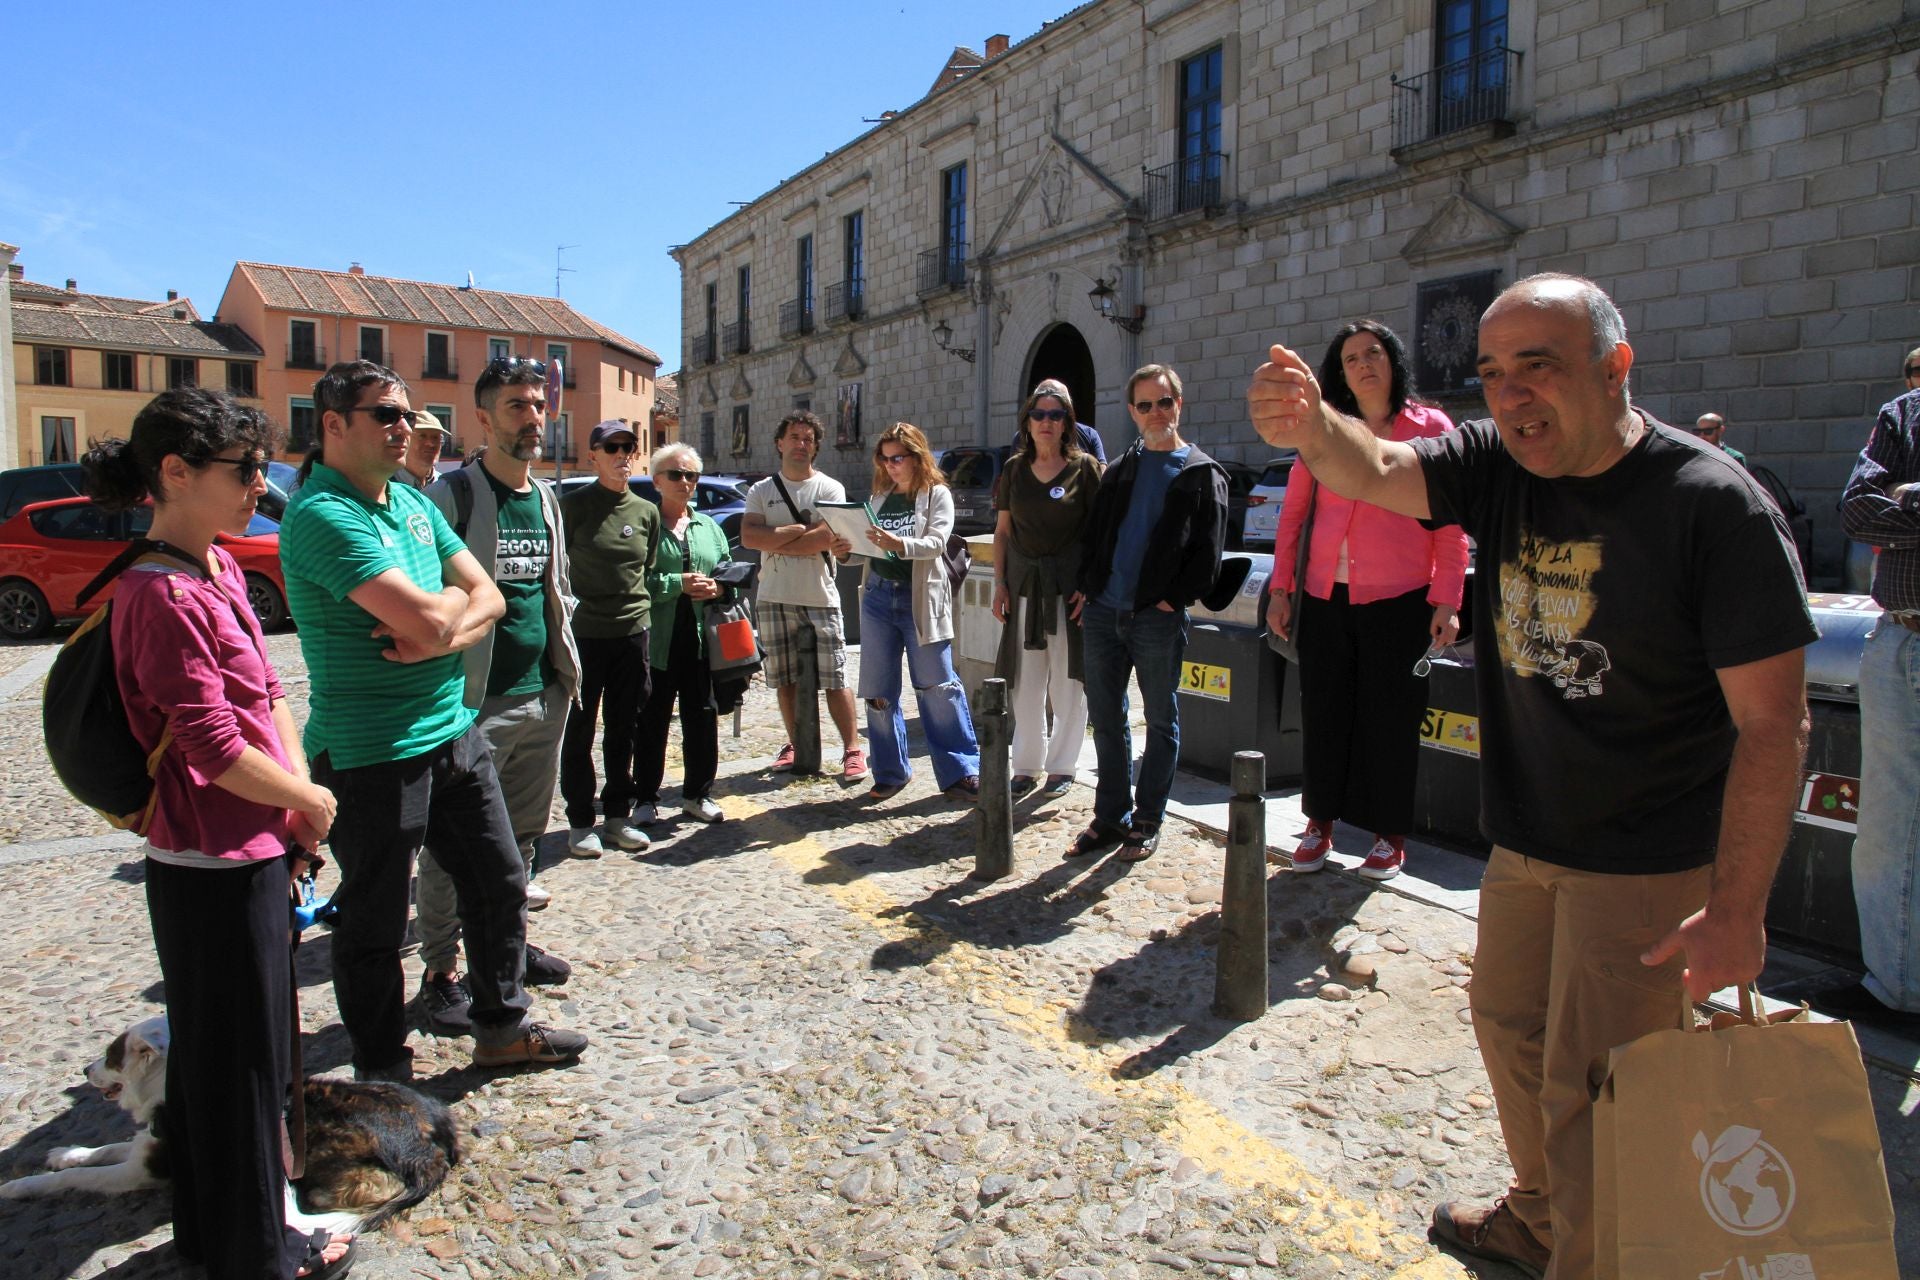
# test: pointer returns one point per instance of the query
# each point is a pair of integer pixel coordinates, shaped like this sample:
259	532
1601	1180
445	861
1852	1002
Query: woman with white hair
681	582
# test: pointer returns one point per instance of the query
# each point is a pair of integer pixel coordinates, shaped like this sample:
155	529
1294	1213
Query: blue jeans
1149	643
886	630
1886	853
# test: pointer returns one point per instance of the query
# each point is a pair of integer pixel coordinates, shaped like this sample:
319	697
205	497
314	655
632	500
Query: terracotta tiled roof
31	291
34	321
343	293
666	396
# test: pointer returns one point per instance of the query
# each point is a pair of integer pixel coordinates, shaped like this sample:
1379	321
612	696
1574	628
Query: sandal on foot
1095	839
314	1267
1142	839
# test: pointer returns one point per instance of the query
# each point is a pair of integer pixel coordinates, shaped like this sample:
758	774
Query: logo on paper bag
1746	1186
1777	1266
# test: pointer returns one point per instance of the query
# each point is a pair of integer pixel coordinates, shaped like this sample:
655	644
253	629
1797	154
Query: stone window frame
1420	45
1172	45
386	343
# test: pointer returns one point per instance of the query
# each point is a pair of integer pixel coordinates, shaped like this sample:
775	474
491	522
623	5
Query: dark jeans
449	800
688	679
223	939
613	671
1117	643
1360	708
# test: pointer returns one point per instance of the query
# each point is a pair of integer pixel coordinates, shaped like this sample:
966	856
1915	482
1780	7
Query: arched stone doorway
1062	353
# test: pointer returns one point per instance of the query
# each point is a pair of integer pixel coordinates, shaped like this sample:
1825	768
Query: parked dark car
1799	523
971	474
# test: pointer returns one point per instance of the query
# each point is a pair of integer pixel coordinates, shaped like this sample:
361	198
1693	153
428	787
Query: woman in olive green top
680	582
1044	498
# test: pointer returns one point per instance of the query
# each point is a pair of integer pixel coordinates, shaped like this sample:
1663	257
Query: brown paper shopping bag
1741	1150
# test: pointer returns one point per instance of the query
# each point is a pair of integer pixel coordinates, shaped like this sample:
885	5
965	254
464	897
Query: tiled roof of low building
344	293
82	326
666	396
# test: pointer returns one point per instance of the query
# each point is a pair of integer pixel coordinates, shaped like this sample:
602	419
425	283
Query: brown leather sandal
1095	839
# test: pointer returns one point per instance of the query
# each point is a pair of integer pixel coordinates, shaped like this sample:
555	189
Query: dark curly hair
194	422
1333	374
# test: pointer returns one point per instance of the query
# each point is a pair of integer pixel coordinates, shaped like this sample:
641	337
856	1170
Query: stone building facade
1190	180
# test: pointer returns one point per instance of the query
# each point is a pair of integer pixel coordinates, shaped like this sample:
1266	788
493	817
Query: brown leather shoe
1492	1232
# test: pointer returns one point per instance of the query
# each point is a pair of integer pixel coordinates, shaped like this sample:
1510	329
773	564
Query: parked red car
51	550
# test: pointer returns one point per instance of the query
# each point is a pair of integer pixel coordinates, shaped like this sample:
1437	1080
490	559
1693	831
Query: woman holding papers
1044	498
906	606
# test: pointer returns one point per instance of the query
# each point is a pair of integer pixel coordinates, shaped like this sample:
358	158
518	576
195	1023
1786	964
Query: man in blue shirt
1153	547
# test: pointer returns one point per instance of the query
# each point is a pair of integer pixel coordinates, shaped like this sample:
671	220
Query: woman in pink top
231	791
1380	590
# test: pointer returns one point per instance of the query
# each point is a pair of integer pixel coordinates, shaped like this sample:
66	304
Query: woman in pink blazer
1380	590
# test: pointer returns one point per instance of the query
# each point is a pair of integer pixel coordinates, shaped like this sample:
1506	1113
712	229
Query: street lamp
1102	297
943	337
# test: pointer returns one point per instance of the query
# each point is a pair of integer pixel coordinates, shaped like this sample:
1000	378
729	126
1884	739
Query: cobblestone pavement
819	1050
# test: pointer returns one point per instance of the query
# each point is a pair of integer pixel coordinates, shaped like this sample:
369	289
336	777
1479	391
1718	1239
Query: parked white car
1263	504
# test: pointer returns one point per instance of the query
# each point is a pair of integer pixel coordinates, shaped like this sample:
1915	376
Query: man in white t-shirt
799	603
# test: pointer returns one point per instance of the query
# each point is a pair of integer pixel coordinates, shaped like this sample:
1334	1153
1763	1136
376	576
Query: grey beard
528	452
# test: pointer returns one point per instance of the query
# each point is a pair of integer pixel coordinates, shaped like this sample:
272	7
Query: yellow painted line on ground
1325	1221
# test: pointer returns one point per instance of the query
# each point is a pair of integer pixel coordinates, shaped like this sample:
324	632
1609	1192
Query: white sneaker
703	810
623	833
537	896
645	815
585	842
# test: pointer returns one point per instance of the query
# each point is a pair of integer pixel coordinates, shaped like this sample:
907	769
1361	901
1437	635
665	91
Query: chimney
173	295
16	271
356	270
73	286
996	45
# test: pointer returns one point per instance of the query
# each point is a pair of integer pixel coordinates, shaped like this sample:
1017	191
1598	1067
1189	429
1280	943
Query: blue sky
429	140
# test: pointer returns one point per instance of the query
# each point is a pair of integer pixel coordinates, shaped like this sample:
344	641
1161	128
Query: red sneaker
783	761
1384	862
1315	845
853	766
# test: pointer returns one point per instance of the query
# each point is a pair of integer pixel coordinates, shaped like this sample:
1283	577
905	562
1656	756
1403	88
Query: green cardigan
708	548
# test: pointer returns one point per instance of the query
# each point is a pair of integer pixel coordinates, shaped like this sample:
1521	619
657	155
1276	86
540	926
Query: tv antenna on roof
557	268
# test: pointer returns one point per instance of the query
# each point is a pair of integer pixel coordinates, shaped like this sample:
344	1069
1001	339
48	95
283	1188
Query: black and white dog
372	1149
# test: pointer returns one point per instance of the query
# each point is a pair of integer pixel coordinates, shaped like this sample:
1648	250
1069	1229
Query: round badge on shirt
1058	492
626	531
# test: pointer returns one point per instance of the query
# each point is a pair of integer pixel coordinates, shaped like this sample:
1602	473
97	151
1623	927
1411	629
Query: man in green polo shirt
523	677
386	598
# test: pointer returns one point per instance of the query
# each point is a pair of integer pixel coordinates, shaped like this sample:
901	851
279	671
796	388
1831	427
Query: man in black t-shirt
1643	717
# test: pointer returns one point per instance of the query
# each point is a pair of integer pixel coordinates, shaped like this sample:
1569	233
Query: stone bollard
806	714
1240	976
993	815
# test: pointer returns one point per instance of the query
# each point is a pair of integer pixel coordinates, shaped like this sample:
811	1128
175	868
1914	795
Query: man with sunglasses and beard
386	597
523	676
612	533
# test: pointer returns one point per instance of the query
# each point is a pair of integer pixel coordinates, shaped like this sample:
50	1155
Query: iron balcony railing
706	348
846	300
736	339
1198	181
796	317
942	269
447	368
305	356
1475	90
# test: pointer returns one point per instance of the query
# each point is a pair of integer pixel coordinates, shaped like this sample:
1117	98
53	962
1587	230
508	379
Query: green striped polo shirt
364	709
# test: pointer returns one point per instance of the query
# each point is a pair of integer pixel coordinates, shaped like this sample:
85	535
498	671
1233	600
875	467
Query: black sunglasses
386	414
1048	415
675	473
1148	406
248	468
1913	371
619	446
501	366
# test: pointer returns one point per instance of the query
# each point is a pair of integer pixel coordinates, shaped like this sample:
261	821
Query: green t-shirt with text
896	517
365	709
520	662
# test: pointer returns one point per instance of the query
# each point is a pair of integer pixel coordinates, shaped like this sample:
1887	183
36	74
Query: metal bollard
993	815
1240	975
806	713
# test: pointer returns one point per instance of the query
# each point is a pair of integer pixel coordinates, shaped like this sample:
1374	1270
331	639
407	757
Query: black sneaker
544	970
444	1006
537	1046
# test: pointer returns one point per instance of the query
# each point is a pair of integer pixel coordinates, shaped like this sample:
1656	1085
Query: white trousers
1043	678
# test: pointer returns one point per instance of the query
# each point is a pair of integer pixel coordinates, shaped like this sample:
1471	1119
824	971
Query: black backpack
93	749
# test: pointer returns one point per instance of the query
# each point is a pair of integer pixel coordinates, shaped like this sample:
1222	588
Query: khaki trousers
1557	981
